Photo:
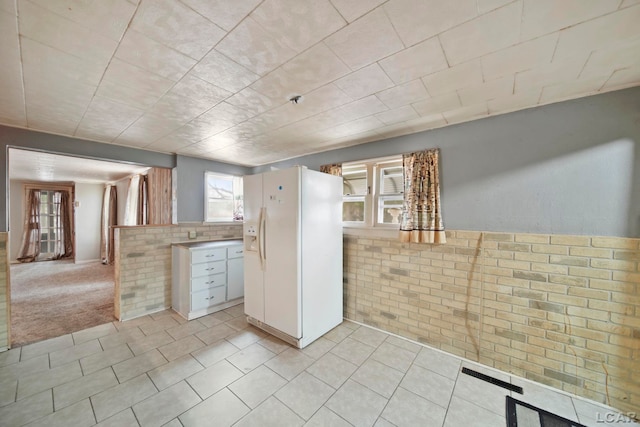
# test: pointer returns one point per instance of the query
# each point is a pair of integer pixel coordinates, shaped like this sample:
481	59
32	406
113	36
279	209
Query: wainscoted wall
4	296
560	310
143	263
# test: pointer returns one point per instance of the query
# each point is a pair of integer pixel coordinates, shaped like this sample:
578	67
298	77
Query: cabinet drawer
208	297
235	251
208	268
206	255
206	282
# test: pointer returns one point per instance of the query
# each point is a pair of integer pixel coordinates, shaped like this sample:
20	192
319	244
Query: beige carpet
54	298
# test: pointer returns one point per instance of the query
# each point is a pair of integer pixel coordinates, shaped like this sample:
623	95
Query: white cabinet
235	272
207	277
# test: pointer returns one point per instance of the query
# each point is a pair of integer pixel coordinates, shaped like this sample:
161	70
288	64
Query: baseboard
86	261
124	319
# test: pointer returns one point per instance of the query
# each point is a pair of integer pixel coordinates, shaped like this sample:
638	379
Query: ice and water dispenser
251	237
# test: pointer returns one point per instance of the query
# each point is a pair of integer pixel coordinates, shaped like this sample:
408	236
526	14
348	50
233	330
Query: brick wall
4	296
143	263
559	310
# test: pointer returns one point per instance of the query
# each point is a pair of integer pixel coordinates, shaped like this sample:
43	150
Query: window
223	197
372	192
355	191
389	197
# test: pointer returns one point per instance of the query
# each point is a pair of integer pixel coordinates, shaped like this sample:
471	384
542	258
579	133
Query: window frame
52	187
373	197
228	177
379	197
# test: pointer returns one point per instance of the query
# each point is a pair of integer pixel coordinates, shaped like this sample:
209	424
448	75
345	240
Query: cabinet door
235	278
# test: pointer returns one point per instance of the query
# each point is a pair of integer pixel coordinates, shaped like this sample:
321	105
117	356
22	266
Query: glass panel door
49	223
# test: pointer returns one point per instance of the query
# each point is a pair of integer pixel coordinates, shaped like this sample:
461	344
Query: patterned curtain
63	247
421	219
31	230
109	218
335	169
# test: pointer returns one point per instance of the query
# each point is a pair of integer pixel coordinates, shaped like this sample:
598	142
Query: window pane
353	210
391	180
224	197
389	210
219	188
355	181
238	197
220	210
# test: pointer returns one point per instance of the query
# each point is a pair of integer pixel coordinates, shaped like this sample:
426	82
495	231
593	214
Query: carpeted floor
54	298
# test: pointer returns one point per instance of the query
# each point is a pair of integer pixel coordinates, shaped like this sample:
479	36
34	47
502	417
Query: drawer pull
210	282
210	298
209	256
210	268
238	252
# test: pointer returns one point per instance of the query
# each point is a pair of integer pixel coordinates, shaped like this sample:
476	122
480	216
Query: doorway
50	298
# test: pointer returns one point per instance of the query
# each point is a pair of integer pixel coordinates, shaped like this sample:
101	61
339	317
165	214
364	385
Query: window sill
222	223
383	232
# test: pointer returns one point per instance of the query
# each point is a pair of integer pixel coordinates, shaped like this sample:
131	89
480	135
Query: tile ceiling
212	78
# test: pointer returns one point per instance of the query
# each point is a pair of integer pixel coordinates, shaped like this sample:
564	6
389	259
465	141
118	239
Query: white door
253	274
282	297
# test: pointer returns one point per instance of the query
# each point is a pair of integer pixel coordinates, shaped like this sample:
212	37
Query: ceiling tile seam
303	118
78	23
156	41
207	19
281	68
595	18
444	53
586	61
585	65
119	42
225	31
339	13
386	15
521	22
555	47
24	91
186	72
150	108
309	48
610	77
297	53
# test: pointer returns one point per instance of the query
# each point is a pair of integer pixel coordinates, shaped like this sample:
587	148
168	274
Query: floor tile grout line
453	390
276	354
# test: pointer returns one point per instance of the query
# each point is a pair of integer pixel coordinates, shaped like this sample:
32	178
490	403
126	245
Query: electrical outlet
192	234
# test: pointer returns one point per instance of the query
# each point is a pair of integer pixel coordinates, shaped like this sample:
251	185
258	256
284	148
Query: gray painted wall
190	175
190	171
566	168
22	138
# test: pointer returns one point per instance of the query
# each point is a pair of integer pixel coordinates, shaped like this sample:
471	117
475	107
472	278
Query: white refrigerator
292	234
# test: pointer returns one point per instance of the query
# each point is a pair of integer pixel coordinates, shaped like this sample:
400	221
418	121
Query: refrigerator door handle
261	240
259	237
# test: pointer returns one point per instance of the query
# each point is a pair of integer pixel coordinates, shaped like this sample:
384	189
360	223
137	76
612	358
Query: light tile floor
218	370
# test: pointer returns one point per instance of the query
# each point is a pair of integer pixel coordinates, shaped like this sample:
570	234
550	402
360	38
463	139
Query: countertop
208	243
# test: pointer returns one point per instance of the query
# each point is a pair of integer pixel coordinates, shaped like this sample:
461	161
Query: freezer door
253	275
282	297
